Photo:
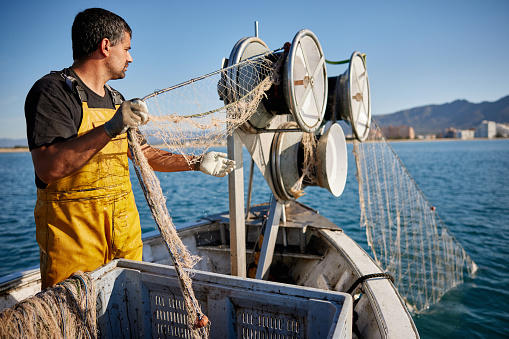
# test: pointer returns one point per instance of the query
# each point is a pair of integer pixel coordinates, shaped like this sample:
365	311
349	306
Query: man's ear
104	46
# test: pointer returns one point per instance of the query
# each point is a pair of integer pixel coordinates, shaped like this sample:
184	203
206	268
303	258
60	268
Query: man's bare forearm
61	159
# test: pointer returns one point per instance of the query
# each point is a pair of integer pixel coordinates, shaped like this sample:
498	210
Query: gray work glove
131	114
216	164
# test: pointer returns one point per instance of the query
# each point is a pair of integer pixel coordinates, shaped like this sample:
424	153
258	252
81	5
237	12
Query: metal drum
303	88
349	97
305	81
244	49
331	166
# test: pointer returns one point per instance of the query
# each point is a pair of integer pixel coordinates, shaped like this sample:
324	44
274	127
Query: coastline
25	149
13	149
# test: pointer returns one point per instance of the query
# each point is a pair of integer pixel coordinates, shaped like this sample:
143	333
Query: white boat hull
311	252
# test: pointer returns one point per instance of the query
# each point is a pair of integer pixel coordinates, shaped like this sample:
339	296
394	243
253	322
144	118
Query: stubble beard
116	75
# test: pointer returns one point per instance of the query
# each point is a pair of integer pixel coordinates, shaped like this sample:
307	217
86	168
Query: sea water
467	181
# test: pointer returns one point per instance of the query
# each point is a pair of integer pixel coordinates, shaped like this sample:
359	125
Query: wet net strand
180	255
407	237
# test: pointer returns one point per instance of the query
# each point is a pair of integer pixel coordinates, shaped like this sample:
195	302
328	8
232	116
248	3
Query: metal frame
259	146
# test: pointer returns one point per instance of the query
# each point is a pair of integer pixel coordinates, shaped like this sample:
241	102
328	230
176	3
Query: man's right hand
216	164
130	114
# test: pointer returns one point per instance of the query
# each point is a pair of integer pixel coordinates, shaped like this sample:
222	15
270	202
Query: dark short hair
91	26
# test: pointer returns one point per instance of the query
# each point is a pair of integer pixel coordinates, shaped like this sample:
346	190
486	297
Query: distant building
465	134
398	132
426	137
503	130
487	129
450	132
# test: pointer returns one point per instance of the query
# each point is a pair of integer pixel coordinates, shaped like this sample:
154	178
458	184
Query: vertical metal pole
250	188
269	240
256	29
236	201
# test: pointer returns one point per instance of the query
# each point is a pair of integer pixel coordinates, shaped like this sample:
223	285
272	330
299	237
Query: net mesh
193	116
188	119
407	237
67	310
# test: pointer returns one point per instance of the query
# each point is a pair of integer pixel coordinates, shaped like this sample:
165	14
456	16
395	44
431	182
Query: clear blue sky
418	53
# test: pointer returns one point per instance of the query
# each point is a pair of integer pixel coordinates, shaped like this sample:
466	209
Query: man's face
120	58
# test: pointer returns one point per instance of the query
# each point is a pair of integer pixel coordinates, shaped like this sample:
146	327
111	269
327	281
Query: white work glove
131	114
216	164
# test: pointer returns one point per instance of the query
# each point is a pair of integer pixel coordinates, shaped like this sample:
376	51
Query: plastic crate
137	299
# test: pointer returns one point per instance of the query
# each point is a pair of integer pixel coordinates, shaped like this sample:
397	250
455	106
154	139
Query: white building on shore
465	134
503	130
487	129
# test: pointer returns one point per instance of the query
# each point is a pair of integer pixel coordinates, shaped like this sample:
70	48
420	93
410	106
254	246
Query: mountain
461	114
9	143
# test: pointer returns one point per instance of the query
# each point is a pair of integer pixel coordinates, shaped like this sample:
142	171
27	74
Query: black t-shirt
53	111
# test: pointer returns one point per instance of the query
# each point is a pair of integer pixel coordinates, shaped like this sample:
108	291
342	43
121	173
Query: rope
221	71
337	62
369	276
342	61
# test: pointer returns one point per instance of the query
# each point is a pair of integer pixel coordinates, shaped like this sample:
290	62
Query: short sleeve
51	113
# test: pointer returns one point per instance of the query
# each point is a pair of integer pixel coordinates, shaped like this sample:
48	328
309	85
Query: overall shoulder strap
115	95
73	85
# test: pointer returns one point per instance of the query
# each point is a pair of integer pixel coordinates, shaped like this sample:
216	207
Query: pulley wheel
305	81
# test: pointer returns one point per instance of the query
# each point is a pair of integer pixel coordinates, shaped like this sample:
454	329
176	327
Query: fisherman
85	212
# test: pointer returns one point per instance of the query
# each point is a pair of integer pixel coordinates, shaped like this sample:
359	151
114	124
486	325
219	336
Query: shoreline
13	149
25	149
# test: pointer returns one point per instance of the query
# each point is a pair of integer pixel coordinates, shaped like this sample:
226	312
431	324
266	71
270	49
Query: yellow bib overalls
88	218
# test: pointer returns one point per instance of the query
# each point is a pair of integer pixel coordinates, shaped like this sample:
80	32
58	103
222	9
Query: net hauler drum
241	83
329	169
349	97
305	81
302	90
332	169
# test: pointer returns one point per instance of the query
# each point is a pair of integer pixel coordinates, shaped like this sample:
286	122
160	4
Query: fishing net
67	310
188	119
191	117
407	237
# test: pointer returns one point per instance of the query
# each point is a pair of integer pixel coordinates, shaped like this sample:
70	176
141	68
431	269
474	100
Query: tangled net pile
67	310
191	117
407	237
189	120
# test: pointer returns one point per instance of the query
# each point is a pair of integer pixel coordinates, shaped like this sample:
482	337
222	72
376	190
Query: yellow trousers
80	232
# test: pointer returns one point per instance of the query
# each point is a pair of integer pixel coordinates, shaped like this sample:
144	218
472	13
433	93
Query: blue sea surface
467	181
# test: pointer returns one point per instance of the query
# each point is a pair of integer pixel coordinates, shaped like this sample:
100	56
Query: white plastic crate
137	299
